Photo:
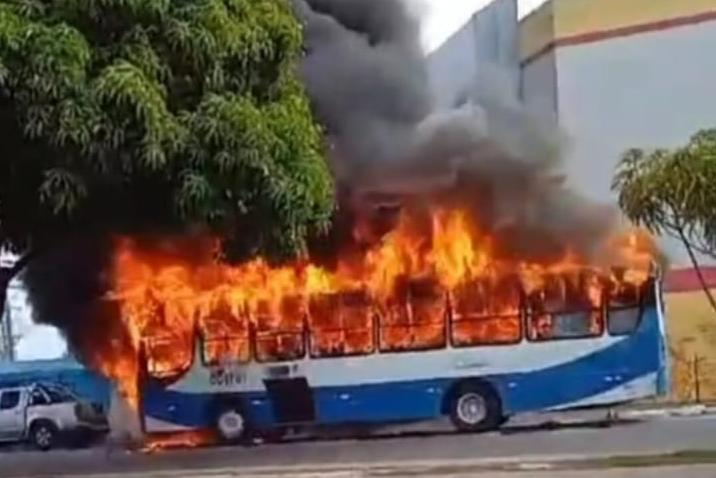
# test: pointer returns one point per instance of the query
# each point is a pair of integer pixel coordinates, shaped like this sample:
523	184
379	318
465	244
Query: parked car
46	415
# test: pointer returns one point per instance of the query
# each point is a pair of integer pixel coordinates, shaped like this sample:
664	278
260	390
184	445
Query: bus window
341	324
168	354
280	333
414	318
486	314
168	350
625	310
565	308
225	337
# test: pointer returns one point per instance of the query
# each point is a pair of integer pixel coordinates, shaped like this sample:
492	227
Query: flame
188	439
419	273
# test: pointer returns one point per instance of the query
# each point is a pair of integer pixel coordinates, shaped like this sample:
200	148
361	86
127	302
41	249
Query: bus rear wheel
475	408
231	425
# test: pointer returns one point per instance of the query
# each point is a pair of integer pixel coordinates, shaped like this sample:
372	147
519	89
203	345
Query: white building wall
648	90
538	87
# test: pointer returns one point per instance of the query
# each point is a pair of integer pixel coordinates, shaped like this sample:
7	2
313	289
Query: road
661	435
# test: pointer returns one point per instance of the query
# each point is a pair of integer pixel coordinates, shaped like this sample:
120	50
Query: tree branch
697	268
677	232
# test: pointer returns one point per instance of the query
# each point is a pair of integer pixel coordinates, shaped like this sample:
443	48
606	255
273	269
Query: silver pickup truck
47	415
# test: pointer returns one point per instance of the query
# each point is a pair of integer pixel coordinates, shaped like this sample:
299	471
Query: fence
693	378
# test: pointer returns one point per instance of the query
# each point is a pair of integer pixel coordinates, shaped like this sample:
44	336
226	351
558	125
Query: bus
478	355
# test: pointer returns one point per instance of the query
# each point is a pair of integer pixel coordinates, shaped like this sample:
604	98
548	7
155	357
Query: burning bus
421	325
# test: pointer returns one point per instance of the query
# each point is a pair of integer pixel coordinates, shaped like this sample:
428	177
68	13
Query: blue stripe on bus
632	358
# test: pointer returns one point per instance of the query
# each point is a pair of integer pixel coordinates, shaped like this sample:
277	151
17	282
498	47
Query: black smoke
367	77
66	285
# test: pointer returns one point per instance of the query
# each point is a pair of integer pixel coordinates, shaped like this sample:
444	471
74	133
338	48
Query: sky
440	19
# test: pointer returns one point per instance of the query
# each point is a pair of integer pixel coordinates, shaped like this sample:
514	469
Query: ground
523	450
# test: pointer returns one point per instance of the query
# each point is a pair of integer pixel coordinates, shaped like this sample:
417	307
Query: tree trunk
697	268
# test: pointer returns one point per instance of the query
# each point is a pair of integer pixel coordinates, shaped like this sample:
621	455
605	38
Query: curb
688	411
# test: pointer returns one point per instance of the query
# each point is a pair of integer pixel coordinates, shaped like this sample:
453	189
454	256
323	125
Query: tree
128	116
673	193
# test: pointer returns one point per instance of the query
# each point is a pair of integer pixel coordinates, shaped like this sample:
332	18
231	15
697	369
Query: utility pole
7	332
8	336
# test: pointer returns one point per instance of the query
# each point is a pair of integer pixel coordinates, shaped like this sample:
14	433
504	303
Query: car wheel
43	435
475	408
231	425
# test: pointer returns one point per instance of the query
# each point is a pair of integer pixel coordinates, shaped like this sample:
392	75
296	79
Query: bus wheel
231	425
475	408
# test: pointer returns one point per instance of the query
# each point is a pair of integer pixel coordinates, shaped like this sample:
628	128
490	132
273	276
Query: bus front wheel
475	407
231	425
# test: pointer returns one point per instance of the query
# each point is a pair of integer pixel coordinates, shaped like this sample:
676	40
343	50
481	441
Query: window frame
647	297
640	317
428	348
210	363
255	348
520	317
40	392
12	392
372	330
165	378
529	321
373	345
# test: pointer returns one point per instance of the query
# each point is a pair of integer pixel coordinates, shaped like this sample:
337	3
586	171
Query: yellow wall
537	31
572	18
577	17
691	330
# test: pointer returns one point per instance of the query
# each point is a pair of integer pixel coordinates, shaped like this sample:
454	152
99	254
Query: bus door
281	349
291	396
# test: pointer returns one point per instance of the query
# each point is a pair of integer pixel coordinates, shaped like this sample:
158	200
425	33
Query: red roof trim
686	280
592	37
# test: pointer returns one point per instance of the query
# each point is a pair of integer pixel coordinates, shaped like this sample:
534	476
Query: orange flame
412	279
189	439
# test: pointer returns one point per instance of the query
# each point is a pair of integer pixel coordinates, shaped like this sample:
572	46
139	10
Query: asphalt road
663	435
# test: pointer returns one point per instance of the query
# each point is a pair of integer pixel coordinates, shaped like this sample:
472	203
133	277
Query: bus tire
231	425
475	407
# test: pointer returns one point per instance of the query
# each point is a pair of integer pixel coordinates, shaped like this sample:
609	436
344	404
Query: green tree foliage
673	193
129	116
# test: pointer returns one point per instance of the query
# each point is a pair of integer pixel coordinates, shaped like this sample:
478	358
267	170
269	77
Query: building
484	49
20	337
620	74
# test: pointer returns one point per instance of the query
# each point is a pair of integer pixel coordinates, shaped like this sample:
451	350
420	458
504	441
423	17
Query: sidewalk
537	467
666	411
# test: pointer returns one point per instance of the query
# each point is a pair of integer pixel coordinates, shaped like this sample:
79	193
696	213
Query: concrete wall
648	90
485	46
538	87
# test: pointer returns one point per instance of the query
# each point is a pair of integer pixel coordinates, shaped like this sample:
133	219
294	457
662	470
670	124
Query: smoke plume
367	77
